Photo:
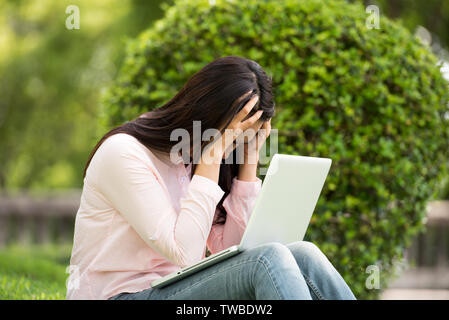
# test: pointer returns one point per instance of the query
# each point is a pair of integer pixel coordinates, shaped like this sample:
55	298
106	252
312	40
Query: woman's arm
239	205
240	201
132	187
126	178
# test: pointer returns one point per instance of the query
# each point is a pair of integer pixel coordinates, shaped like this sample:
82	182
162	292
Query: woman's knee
307	252
304	246
273	253
306	249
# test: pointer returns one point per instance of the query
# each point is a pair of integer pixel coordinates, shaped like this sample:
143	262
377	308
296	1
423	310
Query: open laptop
281	213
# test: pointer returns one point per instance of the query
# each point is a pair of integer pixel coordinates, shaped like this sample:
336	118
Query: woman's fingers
263	134
251	132
251	120
241	123
246	109
258	124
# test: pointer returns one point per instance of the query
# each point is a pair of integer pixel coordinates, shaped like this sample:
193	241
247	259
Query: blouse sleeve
127	179
239	205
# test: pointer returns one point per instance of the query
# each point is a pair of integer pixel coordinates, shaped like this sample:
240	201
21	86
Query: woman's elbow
182	259
186	253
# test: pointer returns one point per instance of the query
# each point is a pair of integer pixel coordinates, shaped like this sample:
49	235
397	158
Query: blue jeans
268	272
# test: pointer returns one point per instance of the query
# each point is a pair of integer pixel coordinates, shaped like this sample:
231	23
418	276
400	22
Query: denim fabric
297	271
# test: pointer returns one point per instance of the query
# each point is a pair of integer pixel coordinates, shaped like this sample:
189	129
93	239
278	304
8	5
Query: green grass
33	272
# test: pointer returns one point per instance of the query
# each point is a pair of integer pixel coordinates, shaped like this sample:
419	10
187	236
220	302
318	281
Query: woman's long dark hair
212	96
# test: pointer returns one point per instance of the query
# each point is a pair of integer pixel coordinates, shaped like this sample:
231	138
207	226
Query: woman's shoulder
121	138
118	154
122	143
120	150
126	144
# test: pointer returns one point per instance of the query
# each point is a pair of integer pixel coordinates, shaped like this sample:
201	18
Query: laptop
281	213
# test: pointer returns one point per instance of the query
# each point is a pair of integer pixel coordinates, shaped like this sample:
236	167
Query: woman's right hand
239	124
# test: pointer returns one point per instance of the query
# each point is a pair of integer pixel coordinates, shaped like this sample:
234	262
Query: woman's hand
252	148
211	158
239	124
248	170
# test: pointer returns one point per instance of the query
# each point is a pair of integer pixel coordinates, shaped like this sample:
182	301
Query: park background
61	90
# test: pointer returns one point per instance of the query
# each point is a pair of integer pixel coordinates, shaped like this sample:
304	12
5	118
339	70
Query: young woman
147	209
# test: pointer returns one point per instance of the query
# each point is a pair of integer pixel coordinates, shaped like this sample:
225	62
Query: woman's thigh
264	272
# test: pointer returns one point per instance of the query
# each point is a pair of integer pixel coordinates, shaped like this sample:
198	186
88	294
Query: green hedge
373	100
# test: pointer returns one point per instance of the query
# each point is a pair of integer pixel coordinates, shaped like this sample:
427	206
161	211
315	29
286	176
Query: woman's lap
271	271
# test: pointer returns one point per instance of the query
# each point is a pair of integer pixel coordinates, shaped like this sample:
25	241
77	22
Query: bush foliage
373	100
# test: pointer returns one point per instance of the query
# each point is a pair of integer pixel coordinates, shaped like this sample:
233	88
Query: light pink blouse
142	216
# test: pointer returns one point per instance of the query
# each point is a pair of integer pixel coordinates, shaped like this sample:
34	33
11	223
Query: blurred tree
51	79
431	14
